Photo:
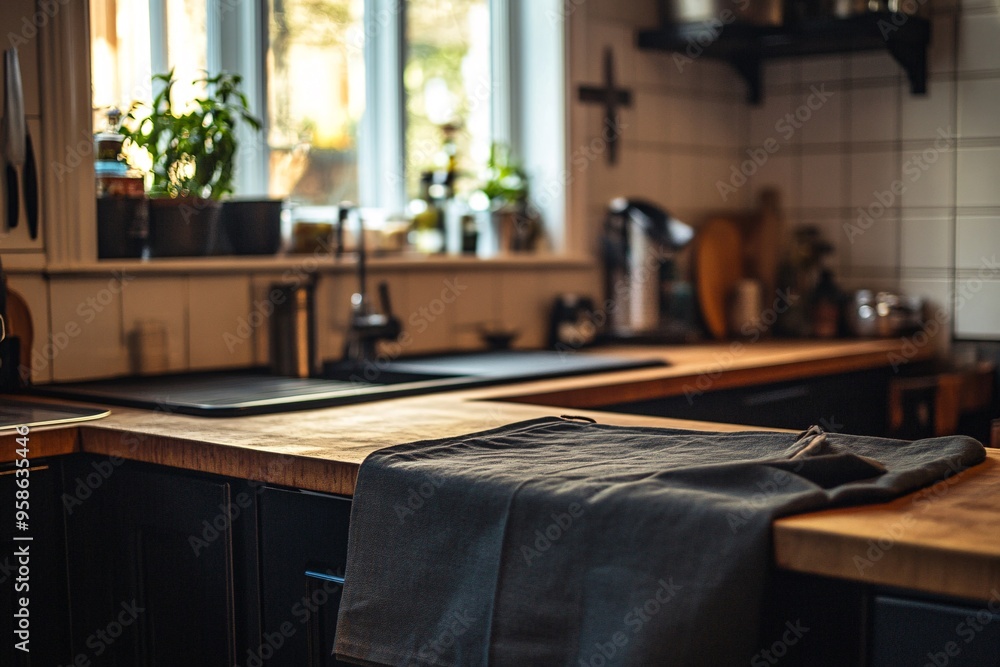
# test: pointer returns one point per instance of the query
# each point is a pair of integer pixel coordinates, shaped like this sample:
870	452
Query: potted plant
192	157
516	226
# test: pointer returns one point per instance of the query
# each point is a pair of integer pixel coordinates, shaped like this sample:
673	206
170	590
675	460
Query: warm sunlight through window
316	98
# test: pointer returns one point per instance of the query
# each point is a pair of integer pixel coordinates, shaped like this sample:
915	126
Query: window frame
70	237
382	160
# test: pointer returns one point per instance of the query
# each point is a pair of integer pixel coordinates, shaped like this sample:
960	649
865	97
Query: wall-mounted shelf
746	47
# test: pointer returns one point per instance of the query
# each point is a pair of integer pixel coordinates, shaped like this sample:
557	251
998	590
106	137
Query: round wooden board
718	266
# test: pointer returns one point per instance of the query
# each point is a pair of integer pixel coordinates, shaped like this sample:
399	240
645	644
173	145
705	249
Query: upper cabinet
20	22
746	47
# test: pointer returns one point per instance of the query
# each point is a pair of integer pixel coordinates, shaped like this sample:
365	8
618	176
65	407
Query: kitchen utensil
498	338
758	12
30	185
293	329
718	268
762	232
641	244
149	351
19	325
745	308
14	133
574	322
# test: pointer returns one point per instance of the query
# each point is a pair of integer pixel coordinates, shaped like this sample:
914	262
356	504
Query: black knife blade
29	181
13	196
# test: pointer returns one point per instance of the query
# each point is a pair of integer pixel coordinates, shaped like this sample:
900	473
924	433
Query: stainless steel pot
846	8
884	314
756	12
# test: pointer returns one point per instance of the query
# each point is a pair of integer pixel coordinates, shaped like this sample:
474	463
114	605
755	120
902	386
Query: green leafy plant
506	182
192	153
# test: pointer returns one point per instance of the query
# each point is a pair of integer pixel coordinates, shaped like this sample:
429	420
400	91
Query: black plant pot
252	227
183	227
122	227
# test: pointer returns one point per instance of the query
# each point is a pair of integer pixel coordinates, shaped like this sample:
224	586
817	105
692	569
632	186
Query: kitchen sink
251	392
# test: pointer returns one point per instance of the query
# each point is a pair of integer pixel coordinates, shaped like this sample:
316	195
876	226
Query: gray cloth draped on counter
564	543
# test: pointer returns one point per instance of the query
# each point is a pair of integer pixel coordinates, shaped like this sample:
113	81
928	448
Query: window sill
320	263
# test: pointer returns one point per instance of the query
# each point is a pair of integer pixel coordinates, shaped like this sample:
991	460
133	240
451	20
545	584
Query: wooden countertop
943	539
948	542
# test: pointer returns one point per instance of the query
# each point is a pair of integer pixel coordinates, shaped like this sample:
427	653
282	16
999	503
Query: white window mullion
237	41
503	88
158	37
381	159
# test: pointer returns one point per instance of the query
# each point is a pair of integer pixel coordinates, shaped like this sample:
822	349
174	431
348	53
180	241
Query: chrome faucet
367	326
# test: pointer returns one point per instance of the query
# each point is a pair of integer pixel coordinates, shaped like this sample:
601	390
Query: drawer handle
776	395
312	574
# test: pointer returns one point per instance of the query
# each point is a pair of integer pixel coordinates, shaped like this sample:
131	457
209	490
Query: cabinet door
303	553
849	403
915	632
45	583
152	570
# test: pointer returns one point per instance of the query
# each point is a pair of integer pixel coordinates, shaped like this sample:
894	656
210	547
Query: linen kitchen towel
546	542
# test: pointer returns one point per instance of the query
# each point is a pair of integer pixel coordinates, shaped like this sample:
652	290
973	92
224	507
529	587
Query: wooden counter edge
253	465
43	442
949	572
939	552
716	378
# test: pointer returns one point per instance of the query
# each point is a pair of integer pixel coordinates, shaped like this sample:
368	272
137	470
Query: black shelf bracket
746	47
751	68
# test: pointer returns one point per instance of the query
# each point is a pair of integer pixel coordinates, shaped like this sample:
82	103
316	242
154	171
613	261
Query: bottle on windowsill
826	306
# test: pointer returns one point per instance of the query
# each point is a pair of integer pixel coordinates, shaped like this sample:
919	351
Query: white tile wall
874	114
926	242
822	180
977	177
976	238
161	301
977	106
929	178
87	337
925	116
219	316
977	46
872	176
977	314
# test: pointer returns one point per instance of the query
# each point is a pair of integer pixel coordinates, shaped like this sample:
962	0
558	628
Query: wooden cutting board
19	324
718	266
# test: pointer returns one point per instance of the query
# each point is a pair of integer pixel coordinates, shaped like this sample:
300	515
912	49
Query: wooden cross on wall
612	98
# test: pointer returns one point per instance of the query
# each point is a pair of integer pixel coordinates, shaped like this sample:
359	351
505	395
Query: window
311	73
315	98
354	92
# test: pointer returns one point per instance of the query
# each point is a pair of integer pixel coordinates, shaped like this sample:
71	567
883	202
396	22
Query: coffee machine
647	298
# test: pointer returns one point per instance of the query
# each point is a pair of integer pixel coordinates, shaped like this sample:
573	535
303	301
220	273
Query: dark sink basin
239	393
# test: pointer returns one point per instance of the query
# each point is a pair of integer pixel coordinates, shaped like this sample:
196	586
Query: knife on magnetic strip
14	132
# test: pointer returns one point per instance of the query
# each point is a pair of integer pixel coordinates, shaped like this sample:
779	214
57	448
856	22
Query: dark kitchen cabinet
911	631
849	403
302	556
45	583
162	566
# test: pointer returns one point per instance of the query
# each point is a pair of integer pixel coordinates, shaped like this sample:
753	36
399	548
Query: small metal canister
293	330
